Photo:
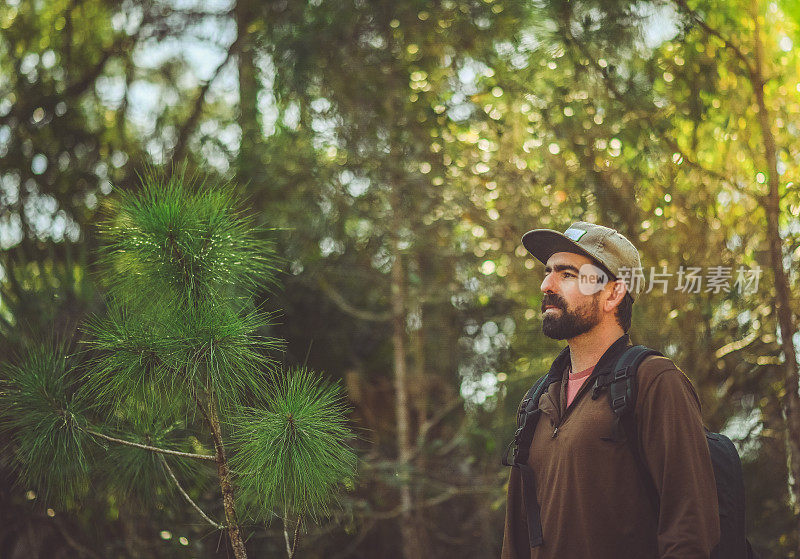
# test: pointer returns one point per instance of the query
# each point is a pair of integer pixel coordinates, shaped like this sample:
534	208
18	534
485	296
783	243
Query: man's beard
570	323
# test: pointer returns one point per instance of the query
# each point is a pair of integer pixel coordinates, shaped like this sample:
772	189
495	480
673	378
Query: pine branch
292	453
151	448
345	306
429	424
446	495
711	31
191	122
186	495
292	549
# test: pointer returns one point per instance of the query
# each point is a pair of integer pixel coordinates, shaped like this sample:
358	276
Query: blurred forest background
402	148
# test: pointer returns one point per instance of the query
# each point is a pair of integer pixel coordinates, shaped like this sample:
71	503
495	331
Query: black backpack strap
622	388
518	450
532	511
621	384
527	416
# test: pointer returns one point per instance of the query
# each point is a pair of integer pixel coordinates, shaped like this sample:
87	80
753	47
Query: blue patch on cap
574	233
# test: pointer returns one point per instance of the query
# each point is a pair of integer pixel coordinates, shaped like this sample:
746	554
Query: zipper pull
555	433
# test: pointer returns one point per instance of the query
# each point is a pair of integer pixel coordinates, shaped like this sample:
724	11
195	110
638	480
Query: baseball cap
610	249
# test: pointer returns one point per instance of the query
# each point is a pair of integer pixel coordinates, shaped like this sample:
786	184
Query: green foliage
224	351
181	261
129	359
293	452
182	331
181	237
154	352
43	419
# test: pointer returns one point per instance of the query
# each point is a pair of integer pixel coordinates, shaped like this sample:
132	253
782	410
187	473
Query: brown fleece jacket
594	504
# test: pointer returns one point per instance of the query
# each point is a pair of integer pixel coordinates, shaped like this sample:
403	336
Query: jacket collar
604	365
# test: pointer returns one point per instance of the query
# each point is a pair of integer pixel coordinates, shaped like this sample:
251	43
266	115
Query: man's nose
547	283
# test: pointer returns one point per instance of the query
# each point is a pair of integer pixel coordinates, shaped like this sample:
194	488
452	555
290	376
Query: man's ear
618	291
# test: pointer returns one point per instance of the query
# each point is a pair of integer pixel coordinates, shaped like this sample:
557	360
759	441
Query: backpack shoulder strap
622	384
622	390
527	415
518	450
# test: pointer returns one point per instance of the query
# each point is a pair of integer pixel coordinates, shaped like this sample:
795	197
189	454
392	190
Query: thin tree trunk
248	116
291	544
418	351
771	204
420	402
408	532
405	450
223	472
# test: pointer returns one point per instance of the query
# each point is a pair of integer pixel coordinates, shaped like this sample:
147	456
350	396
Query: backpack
621	385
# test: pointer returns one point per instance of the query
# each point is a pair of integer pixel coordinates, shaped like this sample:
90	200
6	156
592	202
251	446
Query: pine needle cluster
181	237
293	452
43	417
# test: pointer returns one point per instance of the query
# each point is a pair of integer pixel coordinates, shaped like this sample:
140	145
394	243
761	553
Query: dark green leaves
292	453
131	358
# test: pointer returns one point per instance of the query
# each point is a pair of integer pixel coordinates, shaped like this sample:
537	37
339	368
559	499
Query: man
592	499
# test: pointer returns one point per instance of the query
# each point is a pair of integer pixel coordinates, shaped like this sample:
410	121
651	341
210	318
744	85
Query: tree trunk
771	202
411	548
420	403
223	472
248	116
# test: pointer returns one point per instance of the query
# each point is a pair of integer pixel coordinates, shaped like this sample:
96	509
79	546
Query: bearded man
580	494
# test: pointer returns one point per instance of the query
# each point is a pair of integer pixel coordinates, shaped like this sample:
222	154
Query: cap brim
544	243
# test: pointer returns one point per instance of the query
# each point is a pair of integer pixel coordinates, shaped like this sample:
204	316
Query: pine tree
178	371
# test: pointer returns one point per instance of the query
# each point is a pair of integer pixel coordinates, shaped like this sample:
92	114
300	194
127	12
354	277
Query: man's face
566	311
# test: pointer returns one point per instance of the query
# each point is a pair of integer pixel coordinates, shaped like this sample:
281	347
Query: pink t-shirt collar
575	381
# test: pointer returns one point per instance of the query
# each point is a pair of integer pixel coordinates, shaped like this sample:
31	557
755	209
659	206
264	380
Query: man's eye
568	275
